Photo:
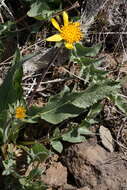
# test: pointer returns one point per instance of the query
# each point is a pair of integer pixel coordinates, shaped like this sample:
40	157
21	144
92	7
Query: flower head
20	112
70	32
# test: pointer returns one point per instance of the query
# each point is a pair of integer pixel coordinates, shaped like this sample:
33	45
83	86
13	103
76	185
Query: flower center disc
20	112
71	33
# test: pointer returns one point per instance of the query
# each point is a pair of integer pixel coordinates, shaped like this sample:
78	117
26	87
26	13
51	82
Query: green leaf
56	132
69	105
29	184
94	111
11	131
39	152
89	60
9	166
3	118
40	10
84	131
121	103
97	71
57	145
35	173
37	148
57	112
5	28
82	51
93	73
11	89
94	93
73	136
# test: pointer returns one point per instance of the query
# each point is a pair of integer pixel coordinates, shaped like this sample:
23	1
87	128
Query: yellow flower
70	32
20	112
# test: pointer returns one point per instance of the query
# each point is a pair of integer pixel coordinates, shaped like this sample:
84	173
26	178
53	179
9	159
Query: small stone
56	175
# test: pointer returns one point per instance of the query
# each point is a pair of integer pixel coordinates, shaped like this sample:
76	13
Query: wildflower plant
16	114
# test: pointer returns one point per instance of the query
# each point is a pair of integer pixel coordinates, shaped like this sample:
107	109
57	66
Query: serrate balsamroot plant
70	32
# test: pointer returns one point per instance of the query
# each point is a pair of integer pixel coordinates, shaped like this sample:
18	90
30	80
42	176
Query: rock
84	188
70	187
95	168
108	23
42	59
56	175
92	7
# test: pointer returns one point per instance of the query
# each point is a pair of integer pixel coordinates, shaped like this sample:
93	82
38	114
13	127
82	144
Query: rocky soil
87	166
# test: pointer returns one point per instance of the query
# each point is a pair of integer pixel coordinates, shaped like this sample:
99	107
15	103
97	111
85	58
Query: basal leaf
11	89
40	10
94	93
71	104
73	136
3	118
39	152
82	51
36	172
57	145
120	102
57	112
84	131
93	73
37	148
56	132
89	60
94	111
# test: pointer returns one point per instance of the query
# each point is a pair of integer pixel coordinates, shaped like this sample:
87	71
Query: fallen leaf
106	138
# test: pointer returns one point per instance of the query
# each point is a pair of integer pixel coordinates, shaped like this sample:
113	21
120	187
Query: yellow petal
77	24
54	38
69	45
55	24
65	18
